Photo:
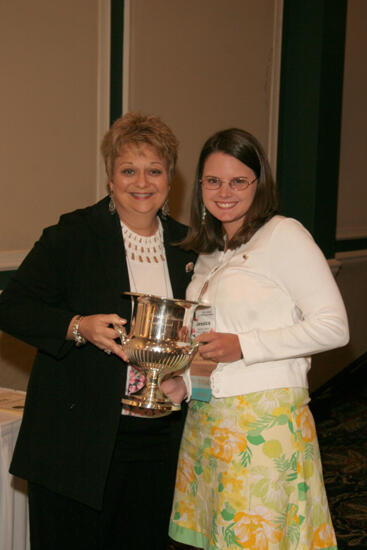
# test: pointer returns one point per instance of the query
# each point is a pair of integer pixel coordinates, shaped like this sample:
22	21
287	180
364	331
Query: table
14	523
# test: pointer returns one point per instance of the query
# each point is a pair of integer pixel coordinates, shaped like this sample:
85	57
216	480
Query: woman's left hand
221	347
174	388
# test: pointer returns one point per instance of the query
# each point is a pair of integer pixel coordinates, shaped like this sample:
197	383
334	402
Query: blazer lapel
176	261
111	252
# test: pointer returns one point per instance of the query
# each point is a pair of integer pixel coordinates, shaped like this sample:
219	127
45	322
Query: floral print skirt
250	476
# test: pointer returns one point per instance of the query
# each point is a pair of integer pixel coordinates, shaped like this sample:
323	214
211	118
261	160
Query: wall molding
335	266
351	255
11	260
126	58
275	85
351	233
103	90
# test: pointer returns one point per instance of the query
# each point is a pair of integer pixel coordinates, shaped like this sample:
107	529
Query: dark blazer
73	402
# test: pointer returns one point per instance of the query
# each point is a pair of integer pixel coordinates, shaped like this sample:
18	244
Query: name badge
204	321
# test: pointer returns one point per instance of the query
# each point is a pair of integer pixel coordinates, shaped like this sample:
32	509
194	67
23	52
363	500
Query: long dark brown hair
209	236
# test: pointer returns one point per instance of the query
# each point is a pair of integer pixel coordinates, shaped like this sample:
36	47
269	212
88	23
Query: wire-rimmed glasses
239	183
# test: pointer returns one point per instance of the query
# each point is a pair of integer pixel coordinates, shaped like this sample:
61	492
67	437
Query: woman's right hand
99	330
174	388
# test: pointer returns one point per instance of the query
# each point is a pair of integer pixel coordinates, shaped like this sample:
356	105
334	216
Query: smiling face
140	186
225	204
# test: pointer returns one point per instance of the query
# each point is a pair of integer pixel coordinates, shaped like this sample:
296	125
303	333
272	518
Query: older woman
251	476
98	479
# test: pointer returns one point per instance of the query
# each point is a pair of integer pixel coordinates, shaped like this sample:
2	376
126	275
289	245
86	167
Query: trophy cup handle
122	333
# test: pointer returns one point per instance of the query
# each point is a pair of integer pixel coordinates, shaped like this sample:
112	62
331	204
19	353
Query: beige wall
16	360
204	65
48	143
352	207
54	111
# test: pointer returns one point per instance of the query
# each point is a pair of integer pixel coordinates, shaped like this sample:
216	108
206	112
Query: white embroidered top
146	262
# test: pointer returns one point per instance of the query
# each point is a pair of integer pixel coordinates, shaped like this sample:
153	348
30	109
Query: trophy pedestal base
144	402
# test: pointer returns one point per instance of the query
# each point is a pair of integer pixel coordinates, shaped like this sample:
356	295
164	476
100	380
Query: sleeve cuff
187	380
250	347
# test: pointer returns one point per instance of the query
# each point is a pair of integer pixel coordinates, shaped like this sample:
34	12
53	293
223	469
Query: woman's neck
142	226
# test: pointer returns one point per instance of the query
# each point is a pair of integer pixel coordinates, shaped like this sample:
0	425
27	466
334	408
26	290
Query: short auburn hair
137	129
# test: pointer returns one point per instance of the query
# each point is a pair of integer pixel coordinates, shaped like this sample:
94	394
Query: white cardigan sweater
278	294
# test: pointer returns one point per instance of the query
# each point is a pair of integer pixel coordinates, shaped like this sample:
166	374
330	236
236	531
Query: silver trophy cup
159	344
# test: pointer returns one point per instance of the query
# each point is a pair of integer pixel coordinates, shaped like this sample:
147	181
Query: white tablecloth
14	523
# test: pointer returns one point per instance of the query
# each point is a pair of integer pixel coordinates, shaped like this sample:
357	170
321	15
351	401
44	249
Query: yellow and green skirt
250	476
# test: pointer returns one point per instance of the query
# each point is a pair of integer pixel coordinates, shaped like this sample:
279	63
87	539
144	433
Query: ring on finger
108	351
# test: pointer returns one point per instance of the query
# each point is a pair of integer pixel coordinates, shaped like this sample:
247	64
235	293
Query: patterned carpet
340	411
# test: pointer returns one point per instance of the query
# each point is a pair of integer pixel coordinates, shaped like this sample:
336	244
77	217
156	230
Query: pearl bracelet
78	338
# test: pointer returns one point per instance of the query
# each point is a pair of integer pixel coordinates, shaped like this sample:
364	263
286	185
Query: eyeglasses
237	184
